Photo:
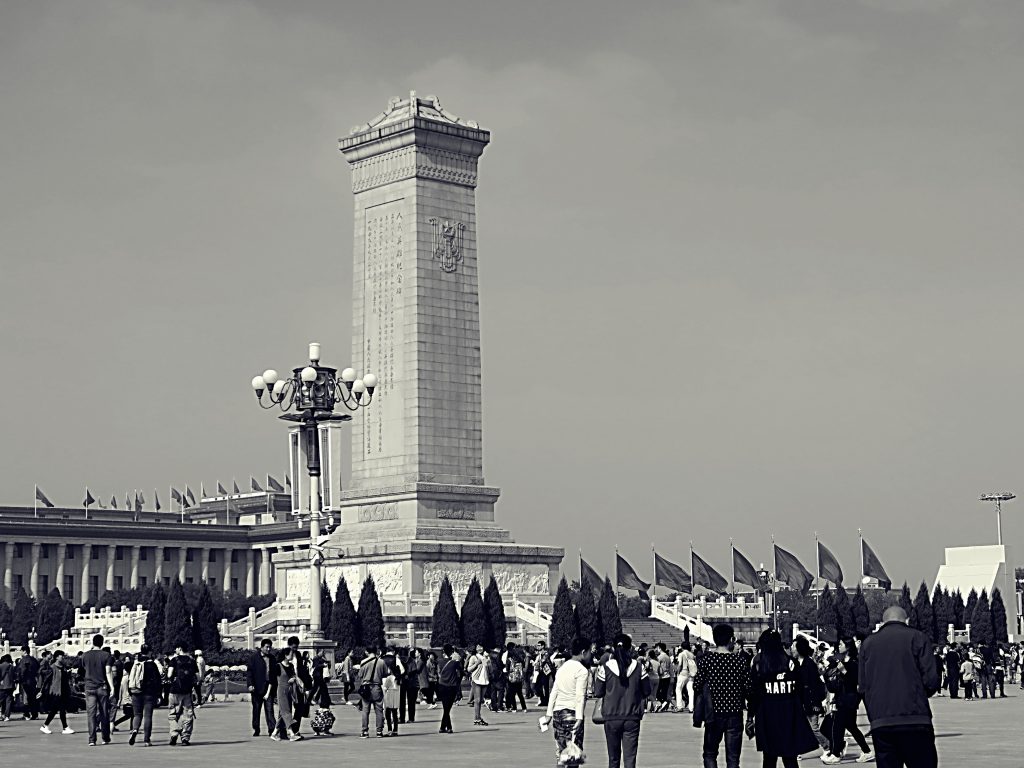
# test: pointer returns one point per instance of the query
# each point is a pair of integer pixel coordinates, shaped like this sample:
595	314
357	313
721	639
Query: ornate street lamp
308	398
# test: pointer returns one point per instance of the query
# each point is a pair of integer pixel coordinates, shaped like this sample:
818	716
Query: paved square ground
988	731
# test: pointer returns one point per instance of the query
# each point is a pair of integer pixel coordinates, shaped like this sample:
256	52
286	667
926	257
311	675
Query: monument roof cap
413	106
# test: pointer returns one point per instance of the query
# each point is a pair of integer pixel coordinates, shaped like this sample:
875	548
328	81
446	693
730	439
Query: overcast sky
746	268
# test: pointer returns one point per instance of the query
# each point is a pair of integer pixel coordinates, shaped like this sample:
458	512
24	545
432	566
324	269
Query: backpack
136	676
515	672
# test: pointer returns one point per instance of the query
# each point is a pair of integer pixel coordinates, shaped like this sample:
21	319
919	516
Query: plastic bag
572	755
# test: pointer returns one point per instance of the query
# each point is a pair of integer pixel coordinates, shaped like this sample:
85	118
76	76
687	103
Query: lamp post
766	580
308	398
998	498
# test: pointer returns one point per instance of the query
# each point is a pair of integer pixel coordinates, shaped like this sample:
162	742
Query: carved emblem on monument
448	243
377	512
455	513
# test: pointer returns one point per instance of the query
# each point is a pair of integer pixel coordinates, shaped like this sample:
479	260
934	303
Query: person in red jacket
897	675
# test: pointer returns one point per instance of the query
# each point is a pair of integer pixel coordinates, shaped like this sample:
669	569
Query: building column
83	588
228	553
134	582
158	565
182	555
62	553
33	580
9	572
250	573
264	570
205	565
111	556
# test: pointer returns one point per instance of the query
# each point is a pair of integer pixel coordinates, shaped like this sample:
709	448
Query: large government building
228	542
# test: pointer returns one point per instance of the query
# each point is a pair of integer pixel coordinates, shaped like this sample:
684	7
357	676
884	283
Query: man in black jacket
897	675
261	680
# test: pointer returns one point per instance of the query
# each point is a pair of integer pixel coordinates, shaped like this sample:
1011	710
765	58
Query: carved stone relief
387	577
377	512
351	573
517	578
459	574
456	513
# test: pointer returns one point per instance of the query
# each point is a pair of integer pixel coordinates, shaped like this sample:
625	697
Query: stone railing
671	614
105	620
531	613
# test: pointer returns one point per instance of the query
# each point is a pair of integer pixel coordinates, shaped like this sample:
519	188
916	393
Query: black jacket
256	675
897	675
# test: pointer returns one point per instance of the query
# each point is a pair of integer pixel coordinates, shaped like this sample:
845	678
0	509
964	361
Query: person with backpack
515	672
182	674
623	686
144	683
777	704
58	693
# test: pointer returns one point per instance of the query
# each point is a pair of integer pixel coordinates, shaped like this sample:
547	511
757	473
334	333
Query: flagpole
817	574
860	536
654	582
732	572
775	585
35	501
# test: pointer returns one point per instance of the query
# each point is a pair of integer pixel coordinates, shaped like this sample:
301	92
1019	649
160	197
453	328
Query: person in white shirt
684	681
569	696
476	669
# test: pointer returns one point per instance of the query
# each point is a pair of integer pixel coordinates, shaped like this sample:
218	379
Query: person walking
28	678
181	715
449	681
476	669
814	691
320	674
428	679
967	673
346	672
261	681
623	686
370	678
305	684
8	680
288	690
952	661
726	677
97	666
410	688
684	679
777	702
568	698
515	674
144	684
58	693
897	677
543	669
843	682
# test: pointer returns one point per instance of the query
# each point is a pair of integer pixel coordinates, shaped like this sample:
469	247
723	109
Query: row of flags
787	570
184	498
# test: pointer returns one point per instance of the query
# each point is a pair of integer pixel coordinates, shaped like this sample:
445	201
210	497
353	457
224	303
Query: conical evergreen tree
827	612
923	614
972	603
906	602
343	619
999	628
494	611
845	624
586	616
563	623
68	622
50	618
371	617
473	625
957	609
153	634
611	622
177	623
326	606
861	613
23	619
204	622
445	624
940	615
5	615
981	621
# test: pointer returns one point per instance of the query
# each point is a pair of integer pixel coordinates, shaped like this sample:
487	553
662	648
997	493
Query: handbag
597	716
749	728
366	689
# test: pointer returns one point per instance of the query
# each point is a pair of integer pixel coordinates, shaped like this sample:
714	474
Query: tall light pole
998	498
308	398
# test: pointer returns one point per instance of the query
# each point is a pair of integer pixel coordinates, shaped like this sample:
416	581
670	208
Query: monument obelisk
417	508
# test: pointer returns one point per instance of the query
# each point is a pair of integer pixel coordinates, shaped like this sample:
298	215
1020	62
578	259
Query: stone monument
417	508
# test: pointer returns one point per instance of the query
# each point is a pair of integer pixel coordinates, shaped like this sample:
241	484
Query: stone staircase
652	631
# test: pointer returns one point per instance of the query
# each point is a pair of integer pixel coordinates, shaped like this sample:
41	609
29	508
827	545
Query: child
392	694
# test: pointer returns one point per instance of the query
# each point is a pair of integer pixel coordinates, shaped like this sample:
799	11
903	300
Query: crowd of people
792	700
